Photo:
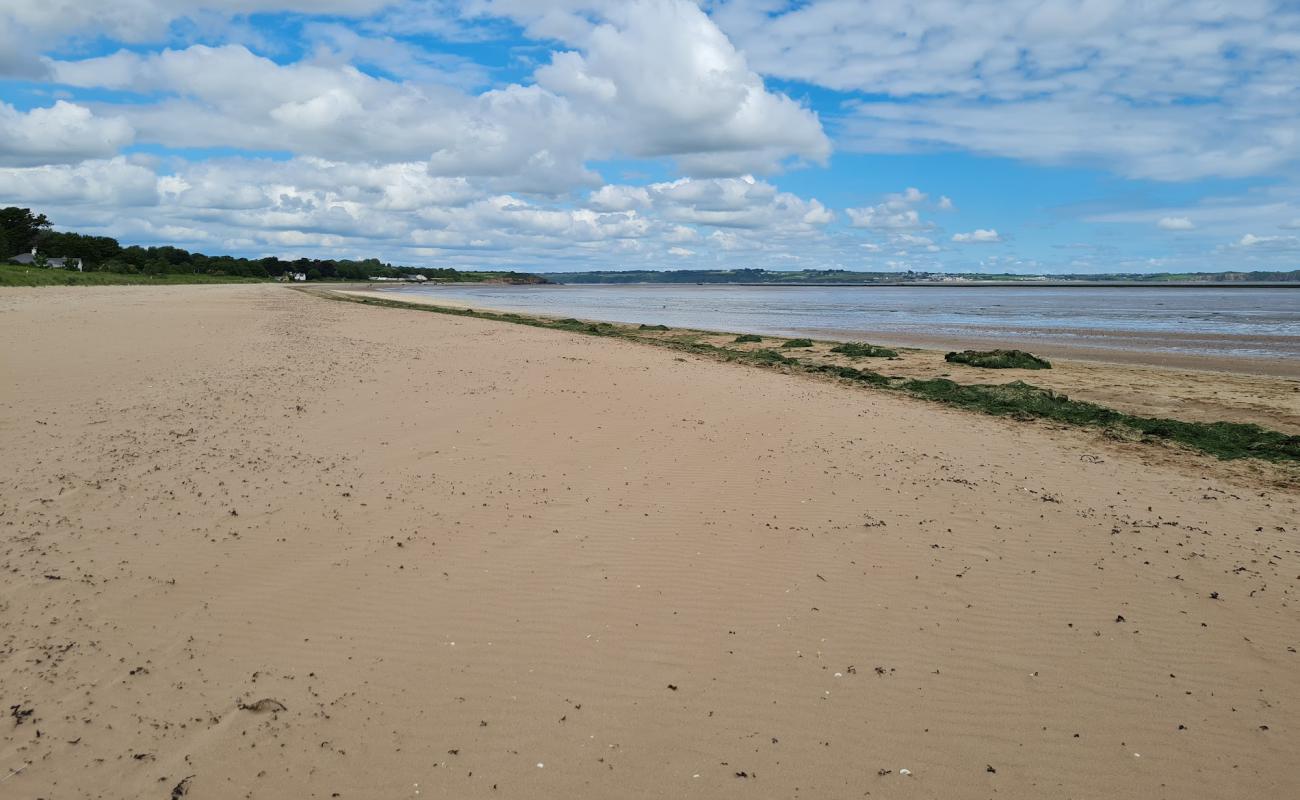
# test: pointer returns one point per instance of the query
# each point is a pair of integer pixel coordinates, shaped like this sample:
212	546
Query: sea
1224	323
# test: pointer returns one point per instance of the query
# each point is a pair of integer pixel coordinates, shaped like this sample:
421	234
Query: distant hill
841	277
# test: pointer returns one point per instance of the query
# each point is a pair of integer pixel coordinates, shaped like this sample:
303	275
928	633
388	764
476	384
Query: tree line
21	230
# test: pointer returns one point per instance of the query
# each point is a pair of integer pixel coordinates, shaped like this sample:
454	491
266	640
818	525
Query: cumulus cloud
113	183
1175	224
978	236
654	78
898	212
402	212
64	132
675	86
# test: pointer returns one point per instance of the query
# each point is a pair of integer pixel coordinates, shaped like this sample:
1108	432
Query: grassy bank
18	275
1018	400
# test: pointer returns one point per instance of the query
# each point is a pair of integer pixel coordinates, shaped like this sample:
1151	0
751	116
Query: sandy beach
262	544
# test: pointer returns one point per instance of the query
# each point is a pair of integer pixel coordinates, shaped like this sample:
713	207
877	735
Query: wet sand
262	544
1134	351
1142	327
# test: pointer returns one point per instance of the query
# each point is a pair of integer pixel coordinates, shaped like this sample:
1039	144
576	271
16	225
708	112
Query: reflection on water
1244	322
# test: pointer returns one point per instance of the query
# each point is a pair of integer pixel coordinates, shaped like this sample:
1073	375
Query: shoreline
1200	397
965	284
1268	366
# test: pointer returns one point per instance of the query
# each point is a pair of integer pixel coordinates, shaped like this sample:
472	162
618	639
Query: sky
1025	136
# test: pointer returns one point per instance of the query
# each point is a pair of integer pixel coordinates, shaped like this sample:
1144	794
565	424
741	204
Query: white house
52	263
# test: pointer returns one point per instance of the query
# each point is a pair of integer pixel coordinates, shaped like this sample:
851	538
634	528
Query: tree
20	229
93	250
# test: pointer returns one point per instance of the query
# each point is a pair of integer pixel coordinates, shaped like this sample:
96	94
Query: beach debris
904	772
262	706
20	714
1120	618
183	788
884	771
989	769
672	686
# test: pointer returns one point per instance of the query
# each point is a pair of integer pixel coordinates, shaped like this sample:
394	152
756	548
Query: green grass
1017	400
19	275
798	343
746	338
998	359
864	350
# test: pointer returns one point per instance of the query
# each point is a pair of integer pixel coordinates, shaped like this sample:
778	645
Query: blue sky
1022	135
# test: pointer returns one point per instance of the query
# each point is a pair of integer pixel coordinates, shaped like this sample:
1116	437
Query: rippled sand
262	544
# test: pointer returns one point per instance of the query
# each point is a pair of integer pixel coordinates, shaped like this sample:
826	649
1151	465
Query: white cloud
1175	224
110	183
1271	243
62	133
745	203
647	79
619	198
149	20
673	85
1166	89
897	213
402	212
978	236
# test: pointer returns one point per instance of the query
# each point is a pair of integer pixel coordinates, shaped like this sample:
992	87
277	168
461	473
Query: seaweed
998	359
864	350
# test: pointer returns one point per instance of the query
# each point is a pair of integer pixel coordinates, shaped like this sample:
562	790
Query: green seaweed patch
998	359
797	343
864	350
1225	440
746	338
654	328
768	357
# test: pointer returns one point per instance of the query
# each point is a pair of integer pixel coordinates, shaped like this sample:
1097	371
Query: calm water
1245	323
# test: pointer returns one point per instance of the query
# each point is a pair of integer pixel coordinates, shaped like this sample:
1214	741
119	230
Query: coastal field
261	543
